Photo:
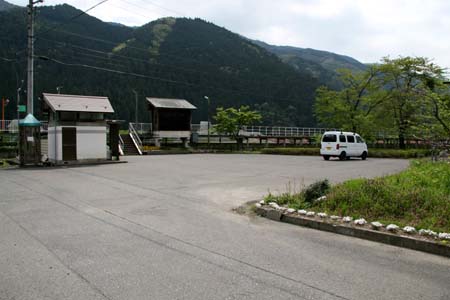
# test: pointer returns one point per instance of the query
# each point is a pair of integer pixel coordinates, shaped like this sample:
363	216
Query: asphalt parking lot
162	227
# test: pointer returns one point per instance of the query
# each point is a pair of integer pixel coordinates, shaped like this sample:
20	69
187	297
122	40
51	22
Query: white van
343	145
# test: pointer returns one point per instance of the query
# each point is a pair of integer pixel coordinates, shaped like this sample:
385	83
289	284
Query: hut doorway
69	141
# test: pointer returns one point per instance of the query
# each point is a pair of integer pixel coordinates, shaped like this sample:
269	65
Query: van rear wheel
364	155
326	157
343	156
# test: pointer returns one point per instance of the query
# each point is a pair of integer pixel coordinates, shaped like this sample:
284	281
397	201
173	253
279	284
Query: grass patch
378	153
418	196
3	164
291	151
303	199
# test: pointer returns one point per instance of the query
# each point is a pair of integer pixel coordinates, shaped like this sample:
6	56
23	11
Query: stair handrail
135	137
121	145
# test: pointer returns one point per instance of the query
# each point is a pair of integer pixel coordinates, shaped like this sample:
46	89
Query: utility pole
30	73
209	121
136	100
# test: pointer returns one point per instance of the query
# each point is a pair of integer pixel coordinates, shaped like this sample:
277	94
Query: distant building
77	127
171	118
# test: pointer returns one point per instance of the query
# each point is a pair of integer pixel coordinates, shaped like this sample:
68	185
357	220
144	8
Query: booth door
69	143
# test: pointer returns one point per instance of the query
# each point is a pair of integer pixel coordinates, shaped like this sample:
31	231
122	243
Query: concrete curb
362	233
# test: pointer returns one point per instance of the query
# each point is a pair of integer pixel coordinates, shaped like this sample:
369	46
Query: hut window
89	116
68	116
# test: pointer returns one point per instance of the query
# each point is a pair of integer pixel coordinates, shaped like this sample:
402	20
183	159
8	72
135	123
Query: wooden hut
171	118
77	128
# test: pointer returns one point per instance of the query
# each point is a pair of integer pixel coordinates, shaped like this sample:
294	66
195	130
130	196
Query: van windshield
329	138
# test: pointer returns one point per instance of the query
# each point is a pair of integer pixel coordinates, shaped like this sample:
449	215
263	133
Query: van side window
329	138
342	139
359	139
350	139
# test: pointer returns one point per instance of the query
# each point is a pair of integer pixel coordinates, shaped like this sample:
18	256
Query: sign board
21	108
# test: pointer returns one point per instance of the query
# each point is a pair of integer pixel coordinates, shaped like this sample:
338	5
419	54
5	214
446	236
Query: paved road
161	227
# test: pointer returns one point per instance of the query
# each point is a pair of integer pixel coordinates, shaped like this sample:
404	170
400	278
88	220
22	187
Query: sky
363	29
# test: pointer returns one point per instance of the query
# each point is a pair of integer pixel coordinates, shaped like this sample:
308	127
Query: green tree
231	121
350	107
408	82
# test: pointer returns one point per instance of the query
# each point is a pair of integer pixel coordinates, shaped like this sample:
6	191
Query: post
30	73
136	100
207	99
3	113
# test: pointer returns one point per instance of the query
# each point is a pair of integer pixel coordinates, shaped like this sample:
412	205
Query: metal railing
142	128
135	137
8	126
11	126
270	131
282	131
121	145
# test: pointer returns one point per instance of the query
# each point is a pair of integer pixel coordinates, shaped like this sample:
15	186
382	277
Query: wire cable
70	19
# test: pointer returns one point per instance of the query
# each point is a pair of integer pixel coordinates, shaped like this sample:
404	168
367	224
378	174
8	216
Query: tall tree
231	121
407	83
349	108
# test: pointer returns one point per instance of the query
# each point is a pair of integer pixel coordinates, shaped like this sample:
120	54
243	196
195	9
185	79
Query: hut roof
170	103
59	102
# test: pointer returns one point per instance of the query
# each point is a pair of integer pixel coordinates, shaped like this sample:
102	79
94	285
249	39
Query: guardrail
135	137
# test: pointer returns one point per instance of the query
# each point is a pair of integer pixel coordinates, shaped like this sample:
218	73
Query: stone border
362	233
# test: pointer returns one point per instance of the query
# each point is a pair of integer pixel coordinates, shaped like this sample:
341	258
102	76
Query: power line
136	48
171	81
71	19
111	54
156	5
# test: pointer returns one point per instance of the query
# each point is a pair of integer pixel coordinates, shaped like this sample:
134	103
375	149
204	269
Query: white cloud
364	29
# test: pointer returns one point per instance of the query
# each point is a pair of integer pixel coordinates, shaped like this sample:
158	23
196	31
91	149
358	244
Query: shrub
316	190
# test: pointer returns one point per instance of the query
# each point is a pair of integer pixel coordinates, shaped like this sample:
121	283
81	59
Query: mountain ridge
184	58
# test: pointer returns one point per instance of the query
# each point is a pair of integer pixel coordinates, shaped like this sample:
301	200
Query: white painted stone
258	205
302	212
321	198
376	225
290	210
347	219
409	229
310	214
360	222
428	232
392	227
274	205
334	218
444	236
262	202
322	215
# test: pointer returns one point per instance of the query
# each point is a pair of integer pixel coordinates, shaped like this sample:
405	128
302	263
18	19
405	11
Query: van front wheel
364	155
343	156
326	157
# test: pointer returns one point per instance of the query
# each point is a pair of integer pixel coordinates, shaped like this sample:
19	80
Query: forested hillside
323	65
185	58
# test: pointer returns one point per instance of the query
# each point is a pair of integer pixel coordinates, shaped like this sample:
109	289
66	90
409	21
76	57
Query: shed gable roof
60	102
170	103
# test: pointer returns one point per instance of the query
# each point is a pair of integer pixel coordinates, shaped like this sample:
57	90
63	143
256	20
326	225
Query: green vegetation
378	153
404	97
3	164
291	151
231	121
418	196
